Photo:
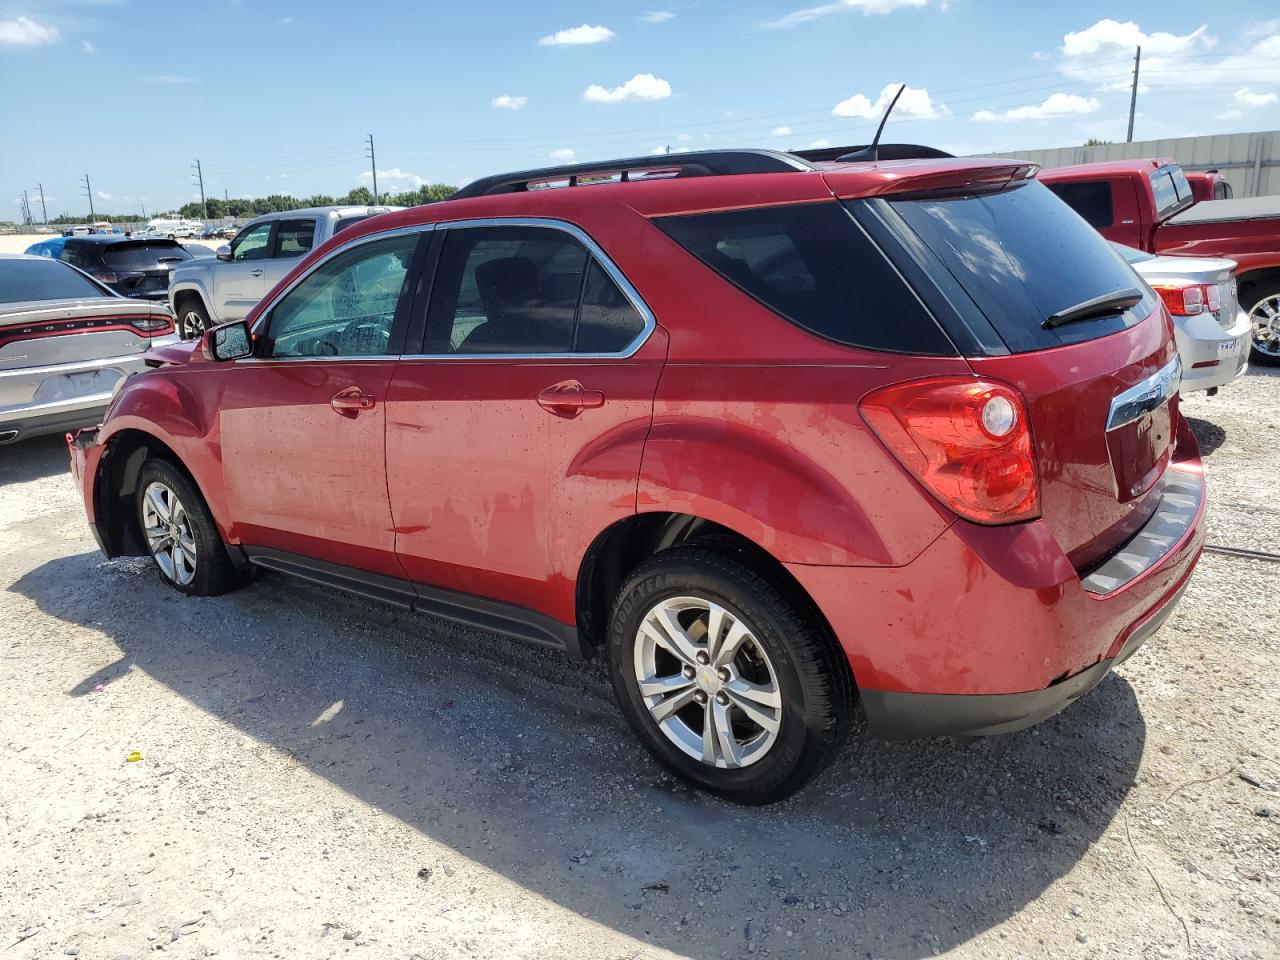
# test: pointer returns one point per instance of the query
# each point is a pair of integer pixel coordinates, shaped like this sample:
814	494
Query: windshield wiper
1102	306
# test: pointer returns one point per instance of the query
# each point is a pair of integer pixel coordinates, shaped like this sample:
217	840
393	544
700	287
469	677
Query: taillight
968	441
153	326
1188	299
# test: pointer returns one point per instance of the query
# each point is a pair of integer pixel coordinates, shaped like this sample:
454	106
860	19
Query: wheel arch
1263	278
628	542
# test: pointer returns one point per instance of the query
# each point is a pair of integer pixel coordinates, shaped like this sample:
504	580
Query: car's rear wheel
180	533
726	676
1263	304
193	319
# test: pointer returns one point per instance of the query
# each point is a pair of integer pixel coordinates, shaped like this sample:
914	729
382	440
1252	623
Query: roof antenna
873	151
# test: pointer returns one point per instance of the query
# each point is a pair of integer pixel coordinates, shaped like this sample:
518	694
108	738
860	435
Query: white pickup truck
207	291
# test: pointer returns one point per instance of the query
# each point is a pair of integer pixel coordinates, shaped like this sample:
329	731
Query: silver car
66	341
206	292
1212	332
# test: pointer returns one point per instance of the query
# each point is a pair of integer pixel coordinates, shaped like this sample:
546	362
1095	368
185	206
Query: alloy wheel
190	325
1265	317
168	531
707	682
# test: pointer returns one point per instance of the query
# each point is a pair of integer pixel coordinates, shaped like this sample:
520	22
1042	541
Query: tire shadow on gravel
35	459
1210	435
517	759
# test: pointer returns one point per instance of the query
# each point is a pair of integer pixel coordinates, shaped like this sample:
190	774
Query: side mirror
224	252
231	341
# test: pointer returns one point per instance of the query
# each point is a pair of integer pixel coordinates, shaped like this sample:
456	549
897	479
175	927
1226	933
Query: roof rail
695	163
885	151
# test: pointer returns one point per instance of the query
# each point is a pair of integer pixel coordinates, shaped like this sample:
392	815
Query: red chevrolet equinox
791	444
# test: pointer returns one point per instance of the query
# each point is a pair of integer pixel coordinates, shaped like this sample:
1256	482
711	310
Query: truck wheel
1263	304
193	318
180	533
725	677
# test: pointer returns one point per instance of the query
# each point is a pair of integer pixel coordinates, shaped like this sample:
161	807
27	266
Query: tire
193	318
783	650
1263	303
196	564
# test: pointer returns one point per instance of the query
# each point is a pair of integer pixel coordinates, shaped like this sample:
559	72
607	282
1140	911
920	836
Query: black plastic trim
481	612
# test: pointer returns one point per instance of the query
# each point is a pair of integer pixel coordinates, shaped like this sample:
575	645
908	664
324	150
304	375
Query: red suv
790	443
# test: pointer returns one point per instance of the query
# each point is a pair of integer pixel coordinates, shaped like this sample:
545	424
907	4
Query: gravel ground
320	776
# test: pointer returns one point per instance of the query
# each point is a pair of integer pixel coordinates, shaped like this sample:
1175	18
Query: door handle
256	272
569	398
351	401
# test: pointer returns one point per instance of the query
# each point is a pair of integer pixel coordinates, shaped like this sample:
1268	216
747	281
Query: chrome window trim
1144	397
342	248
597	252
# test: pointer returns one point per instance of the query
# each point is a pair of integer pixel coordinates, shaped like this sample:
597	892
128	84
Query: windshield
143	256
27	280
1022	255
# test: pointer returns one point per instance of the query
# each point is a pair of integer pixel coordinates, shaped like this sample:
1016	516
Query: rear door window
811	264
525	291
294	238
1089	198
29	280
143	256
1022	255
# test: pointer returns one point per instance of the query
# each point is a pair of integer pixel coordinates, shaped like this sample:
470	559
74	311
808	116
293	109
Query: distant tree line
241	208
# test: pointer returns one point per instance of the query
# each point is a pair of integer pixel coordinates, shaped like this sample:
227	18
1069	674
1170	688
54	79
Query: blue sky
278	95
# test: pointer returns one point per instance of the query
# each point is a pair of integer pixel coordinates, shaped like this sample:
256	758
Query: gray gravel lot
321	776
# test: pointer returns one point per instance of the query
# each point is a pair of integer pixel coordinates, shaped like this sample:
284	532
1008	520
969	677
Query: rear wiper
1102	306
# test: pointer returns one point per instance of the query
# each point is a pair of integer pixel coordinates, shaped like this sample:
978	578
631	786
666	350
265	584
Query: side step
467	609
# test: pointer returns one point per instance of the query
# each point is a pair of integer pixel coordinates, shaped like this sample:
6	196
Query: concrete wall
1249	161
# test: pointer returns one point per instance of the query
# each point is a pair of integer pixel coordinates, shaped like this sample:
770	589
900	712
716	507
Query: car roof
348	210
1104	167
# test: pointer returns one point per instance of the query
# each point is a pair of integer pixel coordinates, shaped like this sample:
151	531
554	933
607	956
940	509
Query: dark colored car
785	441
137	268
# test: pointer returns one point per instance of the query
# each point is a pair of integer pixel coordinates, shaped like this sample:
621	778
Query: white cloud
683	136
662	150
168	78
1245	97
1111	36
577	36
1230	114
506	102
103	194
25	32
782	131
867	7
1055	105
284	21
562	153
88	47
1039	55
915	102
657	16
643	86
395	177
819	144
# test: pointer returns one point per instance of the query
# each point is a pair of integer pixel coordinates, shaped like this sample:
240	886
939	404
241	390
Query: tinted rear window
1171	189
143	256
23	280
813	265
1089	198
348	221
1022	255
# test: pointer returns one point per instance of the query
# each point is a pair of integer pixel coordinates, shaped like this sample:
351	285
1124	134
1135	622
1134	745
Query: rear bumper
85	452
1206	364
991	629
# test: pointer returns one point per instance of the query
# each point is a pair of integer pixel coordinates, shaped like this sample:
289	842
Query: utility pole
199	176
43	209
225	198
1133	94
26	209
88	192
373	163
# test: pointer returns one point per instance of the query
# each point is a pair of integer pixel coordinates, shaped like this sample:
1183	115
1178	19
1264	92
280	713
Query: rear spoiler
933	179
885	151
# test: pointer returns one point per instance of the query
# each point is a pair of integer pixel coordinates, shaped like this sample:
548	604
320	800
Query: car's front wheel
725	676
180	532
193	319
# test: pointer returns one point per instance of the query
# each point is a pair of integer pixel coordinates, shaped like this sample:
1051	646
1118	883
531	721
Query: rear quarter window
813	265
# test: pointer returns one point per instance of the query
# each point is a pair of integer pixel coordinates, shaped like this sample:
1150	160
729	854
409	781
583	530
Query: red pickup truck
1149	204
